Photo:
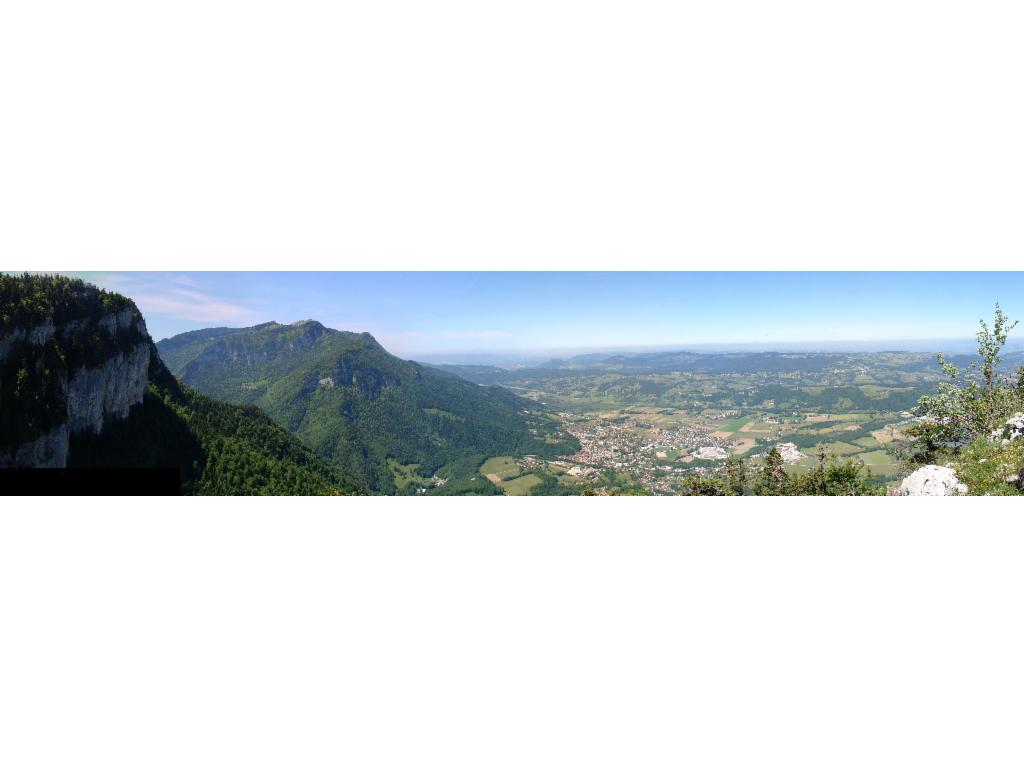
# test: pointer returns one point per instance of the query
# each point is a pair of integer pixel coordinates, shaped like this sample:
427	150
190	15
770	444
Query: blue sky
414	313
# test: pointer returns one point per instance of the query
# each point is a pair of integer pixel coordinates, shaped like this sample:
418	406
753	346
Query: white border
564	135
527	632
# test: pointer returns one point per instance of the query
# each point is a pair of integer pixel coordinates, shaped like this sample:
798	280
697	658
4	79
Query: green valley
649	422
395	425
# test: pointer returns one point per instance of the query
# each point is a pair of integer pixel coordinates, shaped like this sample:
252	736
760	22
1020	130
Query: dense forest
28	300
32	375
31	392
220	448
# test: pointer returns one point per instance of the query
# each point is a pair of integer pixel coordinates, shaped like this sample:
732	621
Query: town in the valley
648	431
633	450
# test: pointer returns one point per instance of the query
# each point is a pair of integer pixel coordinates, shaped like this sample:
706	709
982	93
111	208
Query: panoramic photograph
513	383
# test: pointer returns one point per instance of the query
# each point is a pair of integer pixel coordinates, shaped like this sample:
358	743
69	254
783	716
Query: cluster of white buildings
619	446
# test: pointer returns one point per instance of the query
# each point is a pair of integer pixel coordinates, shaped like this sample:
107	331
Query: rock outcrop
92	393
932	480
37	336
95	394
1012	430
48	450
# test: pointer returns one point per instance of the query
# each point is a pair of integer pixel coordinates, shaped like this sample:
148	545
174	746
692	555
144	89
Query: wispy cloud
447	335
187	304
174	296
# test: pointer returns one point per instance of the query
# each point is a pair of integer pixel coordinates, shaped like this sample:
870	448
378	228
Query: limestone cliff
95	367
96	394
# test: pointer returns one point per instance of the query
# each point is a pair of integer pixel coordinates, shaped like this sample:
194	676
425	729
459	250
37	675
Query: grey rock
92	395
36	335
118	320
932	480
109	391
1012	429
49	450
1017	480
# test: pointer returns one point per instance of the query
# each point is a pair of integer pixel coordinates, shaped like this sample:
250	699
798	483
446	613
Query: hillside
221	449
375	416
81	384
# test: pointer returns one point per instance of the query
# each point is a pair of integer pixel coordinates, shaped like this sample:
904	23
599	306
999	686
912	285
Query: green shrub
972	401
986	467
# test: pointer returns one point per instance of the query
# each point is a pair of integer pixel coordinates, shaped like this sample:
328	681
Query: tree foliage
35	367
220	449
831	477
971	401
359	406
28	300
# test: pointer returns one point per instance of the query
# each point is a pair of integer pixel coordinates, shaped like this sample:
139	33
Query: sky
439	313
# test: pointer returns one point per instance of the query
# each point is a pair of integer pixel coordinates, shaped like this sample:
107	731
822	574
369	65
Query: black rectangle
90	481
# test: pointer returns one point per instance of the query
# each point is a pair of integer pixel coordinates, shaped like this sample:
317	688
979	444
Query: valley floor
652	449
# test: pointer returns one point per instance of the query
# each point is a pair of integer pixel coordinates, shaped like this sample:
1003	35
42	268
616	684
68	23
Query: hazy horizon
516	357
436	315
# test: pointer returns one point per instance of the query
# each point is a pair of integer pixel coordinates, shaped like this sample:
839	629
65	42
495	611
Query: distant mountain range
712	363
371	414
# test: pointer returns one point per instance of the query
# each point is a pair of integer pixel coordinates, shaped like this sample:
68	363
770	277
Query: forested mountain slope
221	449
364	409
81	384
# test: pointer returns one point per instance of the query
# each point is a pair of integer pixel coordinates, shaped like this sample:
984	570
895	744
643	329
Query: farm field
405	474
880	463
506	473
651	428
520	486
499	468
732	425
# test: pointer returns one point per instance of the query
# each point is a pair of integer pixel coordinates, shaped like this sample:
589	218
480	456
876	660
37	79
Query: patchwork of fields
653	428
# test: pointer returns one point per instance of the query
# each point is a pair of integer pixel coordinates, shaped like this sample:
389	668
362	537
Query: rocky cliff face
93	390
48	450
272	342
108	392
37	335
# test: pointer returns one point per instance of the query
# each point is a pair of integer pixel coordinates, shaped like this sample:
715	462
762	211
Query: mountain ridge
82	385
359	406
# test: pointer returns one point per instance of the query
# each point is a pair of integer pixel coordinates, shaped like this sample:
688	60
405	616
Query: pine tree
736	476
772	481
